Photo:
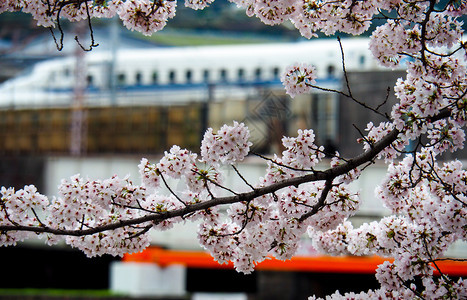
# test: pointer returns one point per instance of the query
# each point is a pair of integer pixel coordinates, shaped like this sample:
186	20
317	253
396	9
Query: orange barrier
325	264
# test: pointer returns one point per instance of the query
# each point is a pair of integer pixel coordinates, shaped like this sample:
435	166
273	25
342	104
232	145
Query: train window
89	80
66	72
121	80
258	74
362	60
138	78
206	75
241	74
52	77
331	71
275	72
155	78
188	76
172	77
223	75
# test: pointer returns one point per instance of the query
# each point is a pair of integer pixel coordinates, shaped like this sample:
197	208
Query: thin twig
321	201
37	217
243	178
206	178
282	165
363	136
388	90
344	68
170	190
143	231
93	43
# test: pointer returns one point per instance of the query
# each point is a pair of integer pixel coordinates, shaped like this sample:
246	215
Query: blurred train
179	75
145	100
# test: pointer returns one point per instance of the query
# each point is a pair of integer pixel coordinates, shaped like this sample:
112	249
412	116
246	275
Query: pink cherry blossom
298	79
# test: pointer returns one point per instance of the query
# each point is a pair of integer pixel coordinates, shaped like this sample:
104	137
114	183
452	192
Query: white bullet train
162	75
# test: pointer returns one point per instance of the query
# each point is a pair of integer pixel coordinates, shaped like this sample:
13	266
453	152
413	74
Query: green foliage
57	293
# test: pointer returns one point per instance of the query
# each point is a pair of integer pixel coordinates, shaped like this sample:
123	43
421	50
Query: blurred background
97	113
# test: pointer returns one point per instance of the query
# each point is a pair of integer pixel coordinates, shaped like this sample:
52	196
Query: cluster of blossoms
146	16
298	79
351	17
84	205
301	155
308	16
20	207
429	215
311	16
301	152
391	40
251	231
197	4
274	224
229	145
427	199
428	90
81	205
77	12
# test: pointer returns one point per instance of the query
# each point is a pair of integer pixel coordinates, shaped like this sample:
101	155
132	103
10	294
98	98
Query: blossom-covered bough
428	198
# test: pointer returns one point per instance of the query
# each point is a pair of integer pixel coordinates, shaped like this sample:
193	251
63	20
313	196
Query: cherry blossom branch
206	179
245	221
327	175
321	201
7	215
143	231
